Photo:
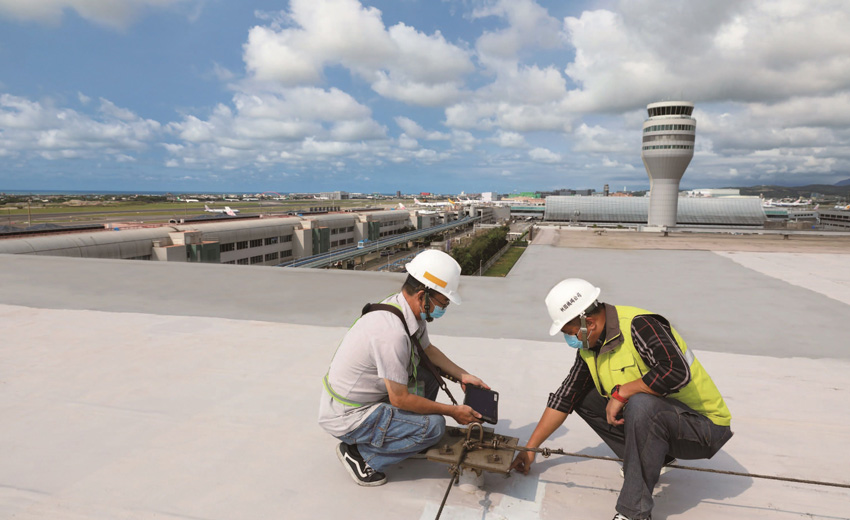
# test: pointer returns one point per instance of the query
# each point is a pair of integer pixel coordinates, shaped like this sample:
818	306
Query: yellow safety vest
623	364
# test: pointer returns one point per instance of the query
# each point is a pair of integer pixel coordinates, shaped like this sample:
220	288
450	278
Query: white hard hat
569	299
437	271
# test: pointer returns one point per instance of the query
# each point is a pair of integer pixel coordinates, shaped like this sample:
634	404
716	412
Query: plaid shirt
668	369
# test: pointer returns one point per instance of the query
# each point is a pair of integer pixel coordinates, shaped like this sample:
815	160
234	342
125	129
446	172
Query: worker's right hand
523	462
464	414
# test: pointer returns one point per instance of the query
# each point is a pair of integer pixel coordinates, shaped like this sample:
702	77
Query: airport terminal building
724	211
265	241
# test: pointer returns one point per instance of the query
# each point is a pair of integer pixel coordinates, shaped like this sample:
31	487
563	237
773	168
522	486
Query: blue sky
415	95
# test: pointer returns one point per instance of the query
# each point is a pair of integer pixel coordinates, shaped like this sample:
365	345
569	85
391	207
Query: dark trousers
656	430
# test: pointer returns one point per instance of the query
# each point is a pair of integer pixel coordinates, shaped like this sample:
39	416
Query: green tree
481	249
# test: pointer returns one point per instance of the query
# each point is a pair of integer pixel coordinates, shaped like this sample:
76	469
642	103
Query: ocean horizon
142	192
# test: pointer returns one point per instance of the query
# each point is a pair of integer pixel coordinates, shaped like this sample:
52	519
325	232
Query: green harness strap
354	404
338	398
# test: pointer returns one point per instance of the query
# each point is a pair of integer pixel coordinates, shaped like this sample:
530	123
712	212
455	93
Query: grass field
161	211
179	207
504	264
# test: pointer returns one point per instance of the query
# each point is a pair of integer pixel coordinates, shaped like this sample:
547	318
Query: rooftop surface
144	390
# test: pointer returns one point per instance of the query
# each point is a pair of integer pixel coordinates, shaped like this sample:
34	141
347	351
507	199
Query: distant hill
841	189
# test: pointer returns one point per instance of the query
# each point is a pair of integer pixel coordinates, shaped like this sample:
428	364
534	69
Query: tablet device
483	401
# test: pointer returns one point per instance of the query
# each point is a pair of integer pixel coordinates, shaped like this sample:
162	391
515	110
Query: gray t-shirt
375	348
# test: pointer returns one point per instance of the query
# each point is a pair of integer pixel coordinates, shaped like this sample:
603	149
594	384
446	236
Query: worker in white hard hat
637	384
380	390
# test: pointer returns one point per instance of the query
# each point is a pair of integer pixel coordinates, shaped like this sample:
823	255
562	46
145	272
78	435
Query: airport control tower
668	146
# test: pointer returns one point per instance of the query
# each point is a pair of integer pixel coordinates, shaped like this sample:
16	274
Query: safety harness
416	350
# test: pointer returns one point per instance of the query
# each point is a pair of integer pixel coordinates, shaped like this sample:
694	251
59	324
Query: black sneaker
357	467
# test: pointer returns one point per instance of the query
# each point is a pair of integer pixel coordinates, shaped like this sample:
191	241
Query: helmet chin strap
428	317
583	331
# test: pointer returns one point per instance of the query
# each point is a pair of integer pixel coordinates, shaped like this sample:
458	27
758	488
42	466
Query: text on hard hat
570	302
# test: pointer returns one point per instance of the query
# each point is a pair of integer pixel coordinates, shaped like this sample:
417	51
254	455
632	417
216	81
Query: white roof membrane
144	390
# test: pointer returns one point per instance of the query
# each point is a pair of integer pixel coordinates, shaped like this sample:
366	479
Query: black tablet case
483	401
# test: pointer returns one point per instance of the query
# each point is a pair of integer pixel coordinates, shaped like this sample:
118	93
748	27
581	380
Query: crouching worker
378	396
637	384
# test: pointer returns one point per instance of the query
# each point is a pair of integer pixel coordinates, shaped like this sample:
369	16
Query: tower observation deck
667	149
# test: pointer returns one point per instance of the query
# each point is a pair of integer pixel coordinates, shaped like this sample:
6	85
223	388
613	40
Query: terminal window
258	242
257	259
242	245
269	241
224	248
669	147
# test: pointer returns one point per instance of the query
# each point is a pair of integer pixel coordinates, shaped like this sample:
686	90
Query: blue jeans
389	435
656	430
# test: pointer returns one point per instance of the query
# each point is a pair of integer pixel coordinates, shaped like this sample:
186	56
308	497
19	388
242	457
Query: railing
493	259
325	259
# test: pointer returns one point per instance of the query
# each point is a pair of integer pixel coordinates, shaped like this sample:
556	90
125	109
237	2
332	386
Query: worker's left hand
469	379
613	411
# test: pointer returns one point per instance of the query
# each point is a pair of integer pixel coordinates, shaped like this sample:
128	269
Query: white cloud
598	138
416	93
407	143
112	13
726	50
529	26
410	127
329	148
523	100
426	58
611	163
462	140
543	155
296	126
832	111
54	133
400	63
510	140
221	72
364	129
263	121
109	109
413	129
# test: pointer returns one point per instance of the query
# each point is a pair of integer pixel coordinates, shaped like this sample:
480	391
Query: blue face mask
436	313
573	341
